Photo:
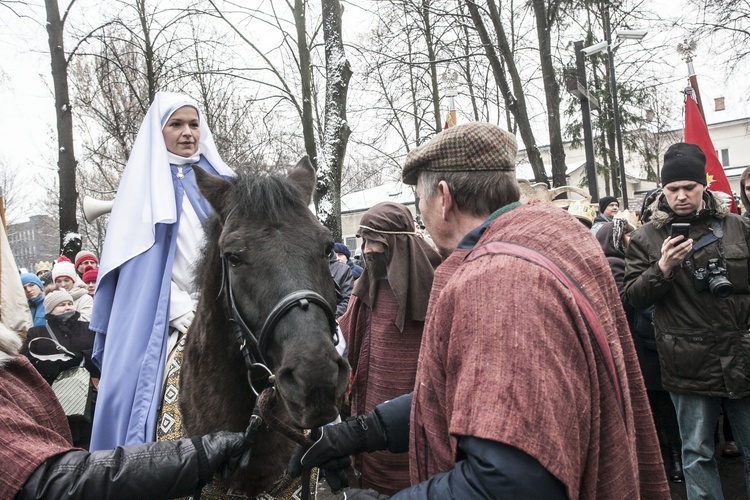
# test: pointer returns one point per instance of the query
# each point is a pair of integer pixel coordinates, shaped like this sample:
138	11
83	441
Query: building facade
34	240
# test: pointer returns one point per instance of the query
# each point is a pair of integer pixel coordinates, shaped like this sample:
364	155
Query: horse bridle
252	347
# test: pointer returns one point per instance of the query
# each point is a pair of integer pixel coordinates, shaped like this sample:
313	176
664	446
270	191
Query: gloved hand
336	442
226	451
182	323
356	494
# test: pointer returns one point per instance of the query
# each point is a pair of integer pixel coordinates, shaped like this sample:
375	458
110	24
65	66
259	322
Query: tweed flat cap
463	148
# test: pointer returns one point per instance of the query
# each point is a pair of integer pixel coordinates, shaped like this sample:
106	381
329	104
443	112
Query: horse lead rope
264	405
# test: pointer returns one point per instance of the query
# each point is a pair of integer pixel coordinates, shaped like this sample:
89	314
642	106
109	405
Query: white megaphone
93	208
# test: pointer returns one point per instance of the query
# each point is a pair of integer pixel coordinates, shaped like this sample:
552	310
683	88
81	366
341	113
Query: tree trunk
66	161
336	133
148	52
308	124
544	22
515	103
425	12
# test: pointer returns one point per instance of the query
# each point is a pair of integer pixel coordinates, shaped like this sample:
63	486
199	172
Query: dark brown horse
263	244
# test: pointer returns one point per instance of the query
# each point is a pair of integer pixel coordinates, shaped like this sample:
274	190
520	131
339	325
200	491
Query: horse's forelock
271	199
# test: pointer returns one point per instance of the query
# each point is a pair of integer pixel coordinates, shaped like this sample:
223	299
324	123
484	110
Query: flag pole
686	49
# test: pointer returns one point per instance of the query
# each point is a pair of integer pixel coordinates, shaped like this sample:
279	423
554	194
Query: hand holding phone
680	229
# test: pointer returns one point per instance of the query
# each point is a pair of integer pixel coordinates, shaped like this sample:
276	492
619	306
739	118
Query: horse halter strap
251	346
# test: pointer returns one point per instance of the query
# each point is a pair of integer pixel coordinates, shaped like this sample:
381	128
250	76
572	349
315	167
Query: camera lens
720	287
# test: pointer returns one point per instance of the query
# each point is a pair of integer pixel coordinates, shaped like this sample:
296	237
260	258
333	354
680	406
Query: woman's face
182	132
62	308
64	283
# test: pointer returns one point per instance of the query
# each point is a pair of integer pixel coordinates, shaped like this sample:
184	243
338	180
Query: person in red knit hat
84	259
89	277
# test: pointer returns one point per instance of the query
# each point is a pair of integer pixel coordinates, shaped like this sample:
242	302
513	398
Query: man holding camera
701	295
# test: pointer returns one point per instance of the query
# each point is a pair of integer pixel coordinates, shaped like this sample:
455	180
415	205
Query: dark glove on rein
331	451
226	451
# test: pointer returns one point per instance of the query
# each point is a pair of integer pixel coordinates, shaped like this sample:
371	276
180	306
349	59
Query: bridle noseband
253	347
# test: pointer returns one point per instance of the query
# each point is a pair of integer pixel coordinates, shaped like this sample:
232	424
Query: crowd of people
498	349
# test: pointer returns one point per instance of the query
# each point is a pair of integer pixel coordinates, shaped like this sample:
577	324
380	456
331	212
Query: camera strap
715	234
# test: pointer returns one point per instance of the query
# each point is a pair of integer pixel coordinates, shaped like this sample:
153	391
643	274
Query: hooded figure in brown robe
383	326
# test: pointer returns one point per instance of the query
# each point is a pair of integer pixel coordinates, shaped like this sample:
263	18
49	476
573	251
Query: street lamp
608	46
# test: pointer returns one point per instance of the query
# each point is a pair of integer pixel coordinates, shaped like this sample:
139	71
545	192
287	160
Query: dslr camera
714	279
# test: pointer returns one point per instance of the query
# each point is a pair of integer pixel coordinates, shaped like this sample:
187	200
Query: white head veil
145	195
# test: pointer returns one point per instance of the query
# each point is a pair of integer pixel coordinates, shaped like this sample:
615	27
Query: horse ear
218	192
303	176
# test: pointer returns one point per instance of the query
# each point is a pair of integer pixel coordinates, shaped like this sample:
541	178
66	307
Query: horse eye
233	260
329	250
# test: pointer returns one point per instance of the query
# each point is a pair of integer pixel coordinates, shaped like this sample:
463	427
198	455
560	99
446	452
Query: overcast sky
27	124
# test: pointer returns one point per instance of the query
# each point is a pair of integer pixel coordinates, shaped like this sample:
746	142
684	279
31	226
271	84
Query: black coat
344	280
74	335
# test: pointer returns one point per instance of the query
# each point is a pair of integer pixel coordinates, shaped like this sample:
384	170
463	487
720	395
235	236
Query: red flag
696	132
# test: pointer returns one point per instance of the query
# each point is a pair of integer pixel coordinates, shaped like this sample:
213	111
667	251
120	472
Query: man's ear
446	199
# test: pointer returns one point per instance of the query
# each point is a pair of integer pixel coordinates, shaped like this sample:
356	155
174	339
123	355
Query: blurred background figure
608	208
344	280
42	267
34	288
89	278
64	328
84	259
344	256
65	278
744	191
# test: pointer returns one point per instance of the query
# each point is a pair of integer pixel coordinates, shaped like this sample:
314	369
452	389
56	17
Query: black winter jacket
703	340
74	335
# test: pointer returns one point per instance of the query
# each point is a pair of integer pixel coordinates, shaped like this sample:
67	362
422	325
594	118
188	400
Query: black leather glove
355	494
226	451
331	451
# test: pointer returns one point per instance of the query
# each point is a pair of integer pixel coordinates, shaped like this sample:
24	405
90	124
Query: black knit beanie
684	162
604	203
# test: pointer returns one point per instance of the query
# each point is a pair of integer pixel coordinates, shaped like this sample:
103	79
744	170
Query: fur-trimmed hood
662	215
10	344
743	196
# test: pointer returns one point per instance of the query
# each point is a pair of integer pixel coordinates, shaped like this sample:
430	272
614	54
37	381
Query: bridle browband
253	347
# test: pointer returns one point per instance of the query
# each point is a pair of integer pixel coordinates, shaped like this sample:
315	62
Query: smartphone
680	228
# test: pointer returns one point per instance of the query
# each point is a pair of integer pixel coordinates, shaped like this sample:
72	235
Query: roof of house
395	191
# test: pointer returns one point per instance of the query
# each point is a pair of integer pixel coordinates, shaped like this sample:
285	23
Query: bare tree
336	131
727	24
66	161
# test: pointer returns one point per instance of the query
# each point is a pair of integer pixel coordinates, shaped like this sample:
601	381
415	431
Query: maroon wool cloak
33	426
384	364
501	360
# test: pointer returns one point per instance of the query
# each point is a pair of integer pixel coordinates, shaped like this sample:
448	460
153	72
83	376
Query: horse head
273	257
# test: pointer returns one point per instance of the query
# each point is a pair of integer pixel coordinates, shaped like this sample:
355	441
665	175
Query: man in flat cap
522	390
699	287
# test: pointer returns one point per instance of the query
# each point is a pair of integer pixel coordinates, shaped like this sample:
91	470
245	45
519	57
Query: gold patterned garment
169	428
